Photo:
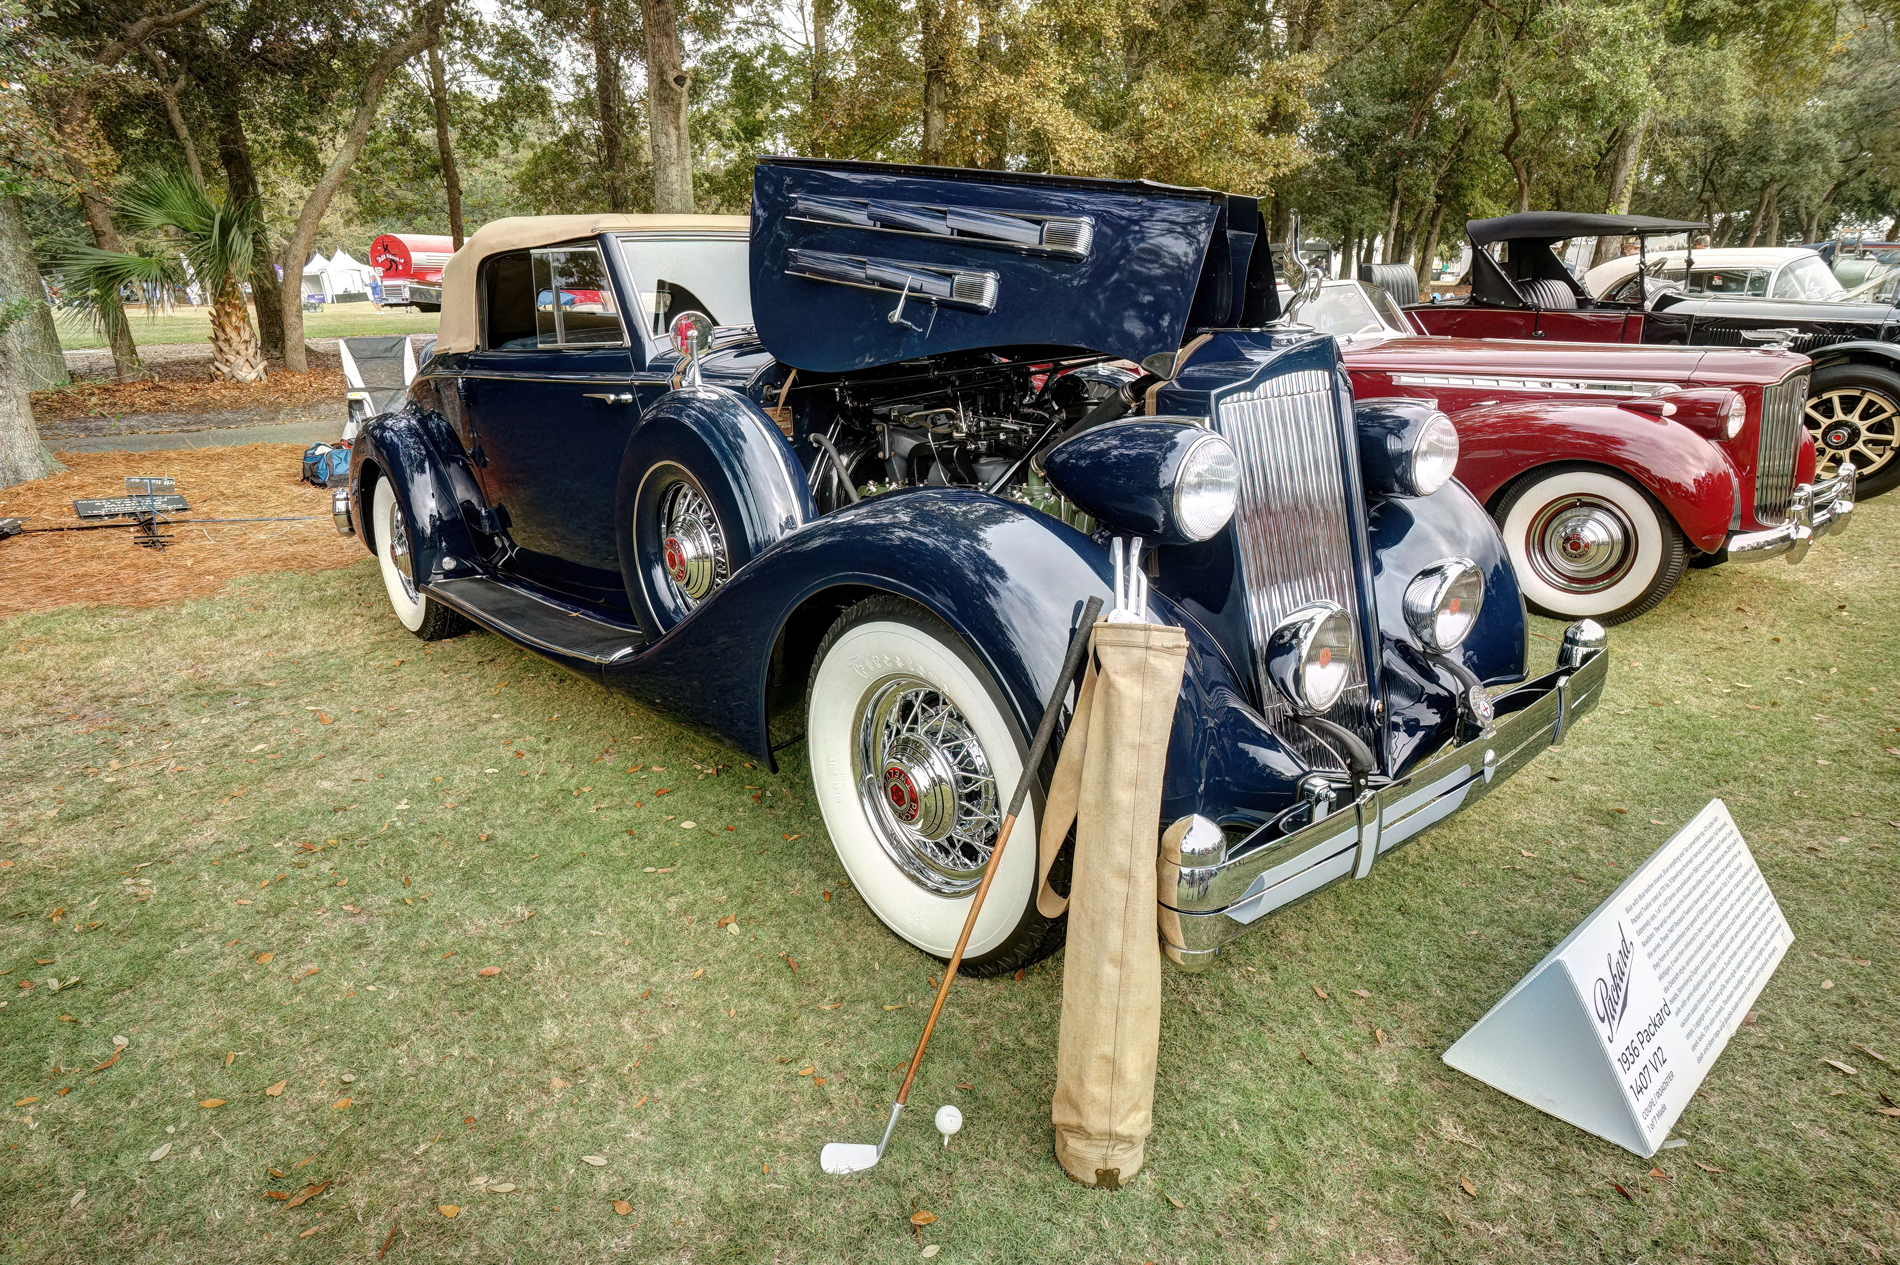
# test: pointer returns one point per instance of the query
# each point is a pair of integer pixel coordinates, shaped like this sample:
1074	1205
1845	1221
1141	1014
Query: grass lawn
193	325
433	925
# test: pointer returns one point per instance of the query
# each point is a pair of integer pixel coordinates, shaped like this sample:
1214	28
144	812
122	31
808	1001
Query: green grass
193	325
287	745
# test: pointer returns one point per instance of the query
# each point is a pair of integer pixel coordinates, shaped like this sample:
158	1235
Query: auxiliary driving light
1206	488
1308	656
1442	603
1736	414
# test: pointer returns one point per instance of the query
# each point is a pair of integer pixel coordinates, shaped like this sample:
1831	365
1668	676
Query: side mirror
692	335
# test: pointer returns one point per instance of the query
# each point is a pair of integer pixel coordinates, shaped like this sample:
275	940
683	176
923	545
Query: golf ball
949	1119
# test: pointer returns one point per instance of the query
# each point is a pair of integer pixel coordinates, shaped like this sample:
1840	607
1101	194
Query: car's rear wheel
418	612
1589	544
914	757
1854	415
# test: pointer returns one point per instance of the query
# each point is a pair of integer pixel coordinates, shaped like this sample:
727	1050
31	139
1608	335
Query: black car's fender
422	457
1858	351
736	458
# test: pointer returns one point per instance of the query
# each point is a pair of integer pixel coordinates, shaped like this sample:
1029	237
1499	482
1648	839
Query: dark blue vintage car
880	492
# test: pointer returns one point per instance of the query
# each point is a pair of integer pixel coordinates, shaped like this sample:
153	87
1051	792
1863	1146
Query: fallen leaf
489	970
961	1085
1361	992
555	1082
300	1163
505	1188
277	1172
701	971
307	1233
1176	1202
230	1058
323	719
1378	1035
922	1218
1827	983
595	1160
1657	1172
263	959
274	1091
305	974
341	1104
931	1249
24	1101
1708	1168
210	1103
307	1193
162	1152
1470	1189
1321	993
1880	1058
447	1210
806	1071
833	1005
622	1207
276	1194
1619	1188
109	1062
1839	1066
641	1103
1888	1111
1523	853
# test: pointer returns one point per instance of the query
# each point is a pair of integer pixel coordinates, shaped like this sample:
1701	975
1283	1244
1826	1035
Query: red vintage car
1608	469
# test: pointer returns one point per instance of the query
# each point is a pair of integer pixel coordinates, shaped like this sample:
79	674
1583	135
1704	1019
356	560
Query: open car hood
977	258
1571	362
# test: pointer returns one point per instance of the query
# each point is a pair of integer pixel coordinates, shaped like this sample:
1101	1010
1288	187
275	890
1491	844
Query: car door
1589	325
550	403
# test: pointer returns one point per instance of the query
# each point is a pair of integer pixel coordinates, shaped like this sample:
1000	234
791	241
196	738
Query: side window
1788	284
574	300
508	322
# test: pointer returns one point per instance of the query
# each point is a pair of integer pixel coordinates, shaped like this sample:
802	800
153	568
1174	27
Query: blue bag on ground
326	465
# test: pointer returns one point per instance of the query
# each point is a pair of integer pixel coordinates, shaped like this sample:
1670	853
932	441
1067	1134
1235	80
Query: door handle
609	397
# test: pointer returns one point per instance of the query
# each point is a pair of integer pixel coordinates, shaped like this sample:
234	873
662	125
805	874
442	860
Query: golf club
854	1157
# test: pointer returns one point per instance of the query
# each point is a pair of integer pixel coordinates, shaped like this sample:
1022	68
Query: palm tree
212	234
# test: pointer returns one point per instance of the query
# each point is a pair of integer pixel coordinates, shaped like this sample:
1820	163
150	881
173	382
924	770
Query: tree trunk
609	108
235	355
92	204
823	14
1428	255
667	85
1771	218
994	128
934	47
1518	169
22	455
169	91
1622	186
451	181
297	249
33	339
1392	225
240	176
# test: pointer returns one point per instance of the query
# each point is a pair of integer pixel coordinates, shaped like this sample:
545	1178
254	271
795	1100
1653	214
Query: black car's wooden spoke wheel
1854	415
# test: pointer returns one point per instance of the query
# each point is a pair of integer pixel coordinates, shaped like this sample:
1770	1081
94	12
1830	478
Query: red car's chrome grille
1783	406
1294	531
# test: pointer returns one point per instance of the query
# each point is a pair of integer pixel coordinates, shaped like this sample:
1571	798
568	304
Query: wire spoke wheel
926	785
693	545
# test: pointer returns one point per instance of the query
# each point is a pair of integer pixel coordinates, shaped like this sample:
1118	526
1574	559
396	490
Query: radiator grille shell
1783	409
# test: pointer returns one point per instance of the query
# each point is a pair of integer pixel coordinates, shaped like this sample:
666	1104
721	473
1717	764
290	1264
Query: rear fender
1691	477
422	457
1864	351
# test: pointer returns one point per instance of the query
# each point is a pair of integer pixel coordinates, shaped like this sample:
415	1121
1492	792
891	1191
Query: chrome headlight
1434	455
1442	603
1206	488
1735	415
1308	657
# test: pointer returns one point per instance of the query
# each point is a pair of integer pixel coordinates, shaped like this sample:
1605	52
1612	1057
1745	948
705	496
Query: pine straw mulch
42	571
95	398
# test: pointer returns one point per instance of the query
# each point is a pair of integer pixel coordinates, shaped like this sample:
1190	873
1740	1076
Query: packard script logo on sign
1633	1019
1613	991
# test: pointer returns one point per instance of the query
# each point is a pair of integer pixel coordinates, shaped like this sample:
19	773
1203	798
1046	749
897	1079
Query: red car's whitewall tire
417	611
1586	543
908	737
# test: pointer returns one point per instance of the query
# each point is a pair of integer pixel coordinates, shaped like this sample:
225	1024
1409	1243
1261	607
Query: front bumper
1203	907
1815	510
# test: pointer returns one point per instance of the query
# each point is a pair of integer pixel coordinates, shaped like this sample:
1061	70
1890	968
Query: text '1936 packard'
864	456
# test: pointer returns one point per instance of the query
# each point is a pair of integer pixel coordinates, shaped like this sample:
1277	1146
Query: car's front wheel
1854	415
913	758
419	613
1586	543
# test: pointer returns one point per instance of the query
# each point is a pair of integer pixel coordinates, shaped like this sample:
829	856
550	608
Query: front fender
422	457
1861	350
1691	476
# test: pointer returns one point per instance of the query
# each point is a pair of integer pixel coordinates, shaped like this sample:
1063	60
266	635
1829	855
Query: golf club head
839	1158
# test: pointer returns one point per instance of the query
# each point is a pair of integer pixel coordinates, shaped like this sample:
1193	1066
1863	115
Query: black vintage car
1524	291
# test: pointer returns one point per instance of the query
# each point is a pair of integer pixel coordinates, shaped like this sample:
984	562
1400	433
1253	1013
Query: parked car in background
1524	292
1775	272
851	508
1608	470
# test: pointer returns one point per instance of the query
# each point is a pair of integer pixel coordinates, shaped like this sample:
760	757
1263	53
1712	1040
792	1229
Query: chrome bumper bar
1815	510
1205	906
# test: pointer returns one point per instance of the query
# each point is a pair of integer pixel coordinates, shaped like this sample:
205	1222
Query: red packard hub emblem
1840	436
675	560
902	793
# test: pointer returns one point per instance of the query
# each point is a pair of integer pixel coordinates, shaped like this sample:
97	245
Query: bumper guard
1815	510
1205	906
340	511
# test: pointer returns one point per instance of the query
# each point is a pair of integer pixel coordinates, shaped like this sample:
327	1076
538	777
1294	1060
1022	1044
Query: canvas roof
460	329
1550	226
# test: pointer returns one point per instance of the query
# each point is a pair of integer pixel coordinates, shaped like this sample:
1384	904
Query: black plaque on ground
128	506
150	485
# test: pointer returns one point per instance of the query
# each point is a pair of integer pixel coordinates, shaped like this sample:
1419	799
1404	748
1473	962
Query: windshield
1807	278
1879	287
1349	309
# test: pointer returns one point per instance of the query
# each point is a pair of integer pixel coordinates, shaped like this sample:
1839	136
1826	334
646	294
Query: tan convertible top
460	328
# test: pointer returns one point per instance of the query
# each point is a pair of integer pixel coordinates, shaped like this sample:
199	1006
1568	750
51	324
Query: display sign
1617	1026
150	484
128	506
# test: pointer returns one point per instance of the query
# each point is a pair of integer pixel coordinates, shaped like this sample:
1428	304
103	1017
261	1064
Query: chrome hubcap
925	784
1581	544
693	549
399	553
1854	425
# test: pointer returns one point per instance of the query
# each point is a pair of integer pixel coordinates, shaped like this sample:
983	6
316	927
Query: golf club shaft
1078	645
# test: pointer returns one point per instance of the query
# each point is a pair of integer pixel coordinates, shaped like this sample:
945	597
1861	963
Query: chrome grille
1783	406
1294	531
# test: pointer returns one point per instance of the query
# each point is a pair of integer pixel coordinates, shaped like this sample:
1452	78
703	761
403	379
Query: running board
532	620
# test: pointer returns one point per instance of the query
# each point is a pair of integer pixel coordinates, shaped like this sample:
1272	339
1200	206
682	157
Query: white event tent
339	279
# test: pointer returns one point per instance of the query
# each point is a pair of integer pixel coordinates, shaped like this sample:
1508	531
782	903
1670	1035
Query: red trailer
411	266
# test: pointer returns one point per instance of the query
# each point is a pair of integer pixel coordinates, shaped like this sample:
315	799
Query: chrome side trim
1287	435
971	289
1814	510
1069	237
1570	386
1202	908
1783	409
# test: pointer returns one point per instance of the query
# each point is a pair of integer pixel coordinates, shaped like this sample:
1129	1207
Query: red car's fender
1689	475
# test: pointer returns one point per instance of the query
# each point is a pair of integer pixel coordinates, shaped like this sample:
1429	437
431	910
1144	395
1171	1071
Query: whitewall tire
417	611
1586	543
913	760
